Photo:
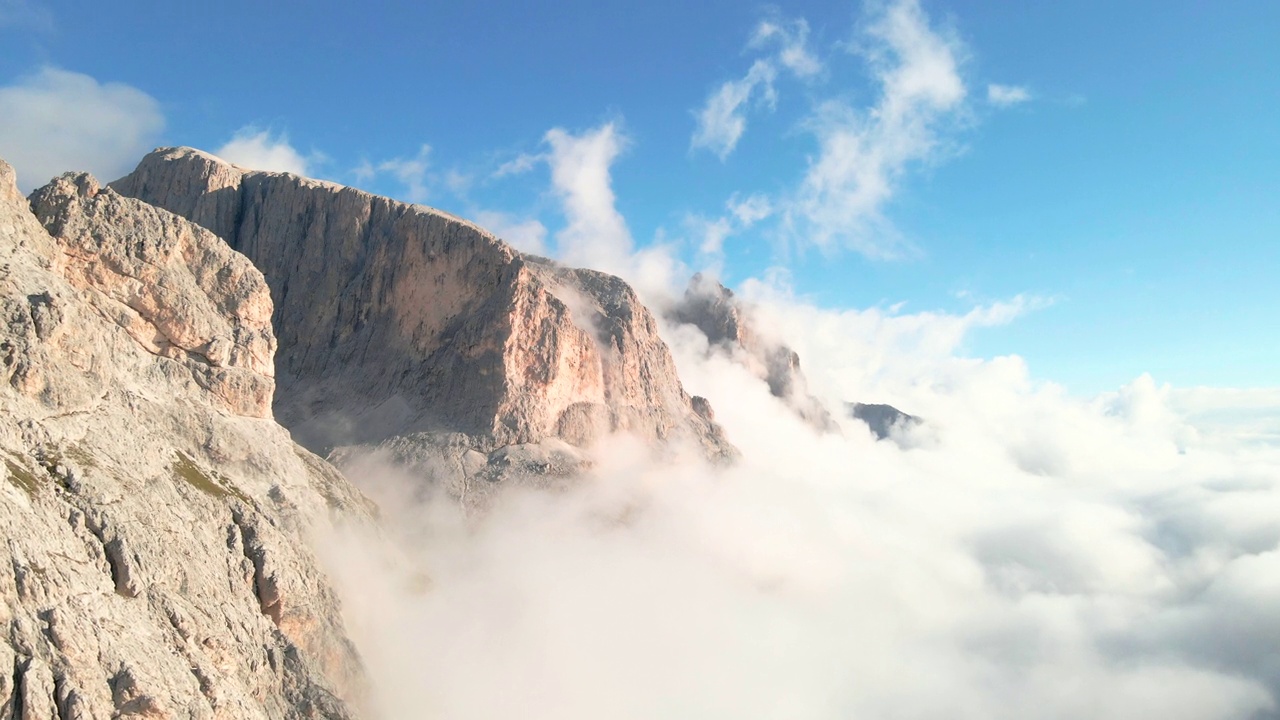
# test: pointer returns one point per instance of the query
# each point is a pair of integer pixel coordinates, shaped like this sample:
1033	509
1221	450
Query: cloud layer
1020	554
56	120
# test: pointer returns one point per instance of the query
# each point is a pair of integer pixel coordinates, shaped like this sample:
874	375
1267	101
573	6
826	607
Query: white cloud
411	172
713	232
522	163
722	120
1007	95
56	120
25	13
863	154
741	214
258	149
527	236
596	235
750	210
1022	554
793	36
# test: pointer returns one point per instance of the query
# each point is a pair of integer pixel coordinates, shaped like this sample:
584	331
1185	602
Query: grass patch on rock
186	469
22	478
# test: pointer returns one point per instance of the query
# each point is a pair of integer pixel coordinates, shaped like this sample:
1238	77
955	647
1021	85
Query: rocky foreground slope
405	328
155	559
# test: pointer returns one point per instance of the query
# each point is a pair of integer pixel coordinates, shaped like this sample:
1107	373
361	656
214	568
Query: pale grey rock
401	321
155	555
725	320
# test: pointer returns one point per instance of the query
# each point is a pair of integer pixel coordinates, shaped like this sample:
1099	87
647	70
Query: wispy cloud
57	120
1007	95
26	14
864	152
413	174
740	215
722	120
525	235
261	149
519	165
792	35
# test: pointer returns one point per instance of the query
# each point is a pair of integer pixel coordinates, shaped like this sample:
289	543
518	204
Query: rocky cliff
725	320
398	321
155	554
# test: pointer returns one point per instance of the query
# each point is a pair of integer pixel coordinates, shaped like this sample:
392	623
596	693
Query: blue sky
1115	165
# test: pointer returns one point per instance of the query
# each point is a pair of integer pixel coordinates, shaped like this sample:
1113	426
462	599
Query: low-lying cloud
1022	553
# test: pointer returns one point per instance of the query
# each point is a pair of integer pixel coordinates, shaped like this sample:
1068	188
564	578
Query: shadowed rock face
396	319
882	419
155	561
713	309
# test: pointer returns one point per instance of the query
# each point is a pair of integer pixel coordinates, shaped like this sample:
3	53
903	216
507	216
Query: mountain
405	329
725	320
882	419
165	341
156	517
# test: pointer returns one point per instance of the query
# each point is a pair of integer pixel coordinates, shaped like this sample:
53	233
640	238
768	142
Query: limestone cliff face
713	309
155	561
397	320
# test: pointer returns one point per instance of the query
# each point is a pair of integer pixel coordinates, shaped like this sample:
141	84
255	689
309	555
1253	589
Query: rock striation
721	316
155	557
400	323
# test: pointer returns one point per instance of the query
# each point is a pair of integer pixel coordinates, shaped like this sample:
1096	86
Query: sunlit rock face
155	560
400	321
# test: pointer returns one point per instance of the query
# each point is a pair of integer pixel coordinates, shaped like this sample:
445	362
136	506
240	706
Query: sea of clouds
1021	553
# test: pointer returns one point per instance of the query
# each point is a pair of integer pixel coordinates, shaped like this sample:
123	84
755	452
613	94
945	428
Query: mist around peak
1023	553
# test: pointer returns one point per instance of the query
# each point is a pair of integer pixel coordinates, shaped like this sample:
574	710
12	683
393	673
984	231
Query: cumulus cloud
722	120
863	153
1022	553
57	120
259	149
1007	95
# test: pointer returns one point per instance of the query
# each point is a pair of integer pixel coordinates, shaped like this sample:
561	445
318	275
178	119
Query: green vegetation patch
21	478
186	469
81	456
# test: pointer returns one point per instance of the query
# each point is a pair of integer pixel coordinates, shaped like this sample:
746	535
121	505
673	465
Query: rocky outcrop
882	419
713	309
155	561
400	321
175	288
